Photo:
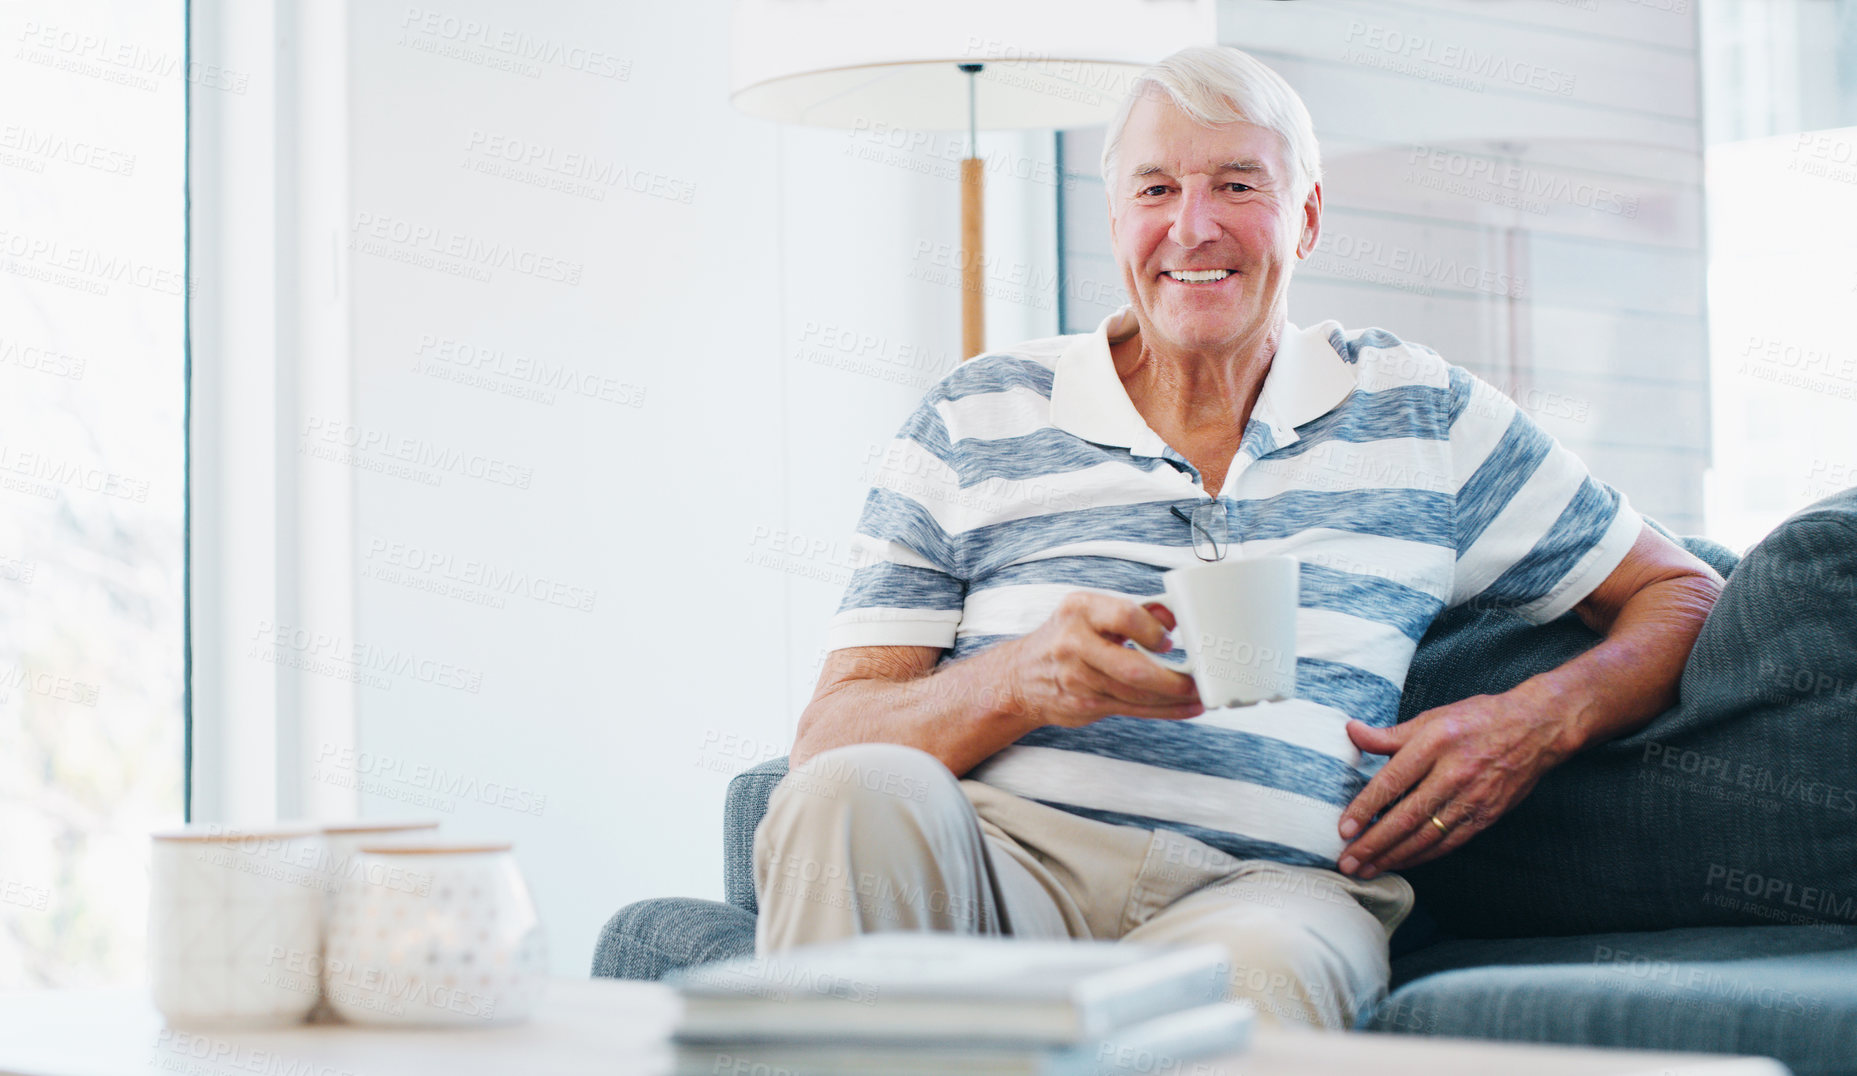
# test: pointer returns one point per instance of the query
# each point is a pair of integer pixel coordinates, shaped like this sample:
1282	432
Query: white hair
1217	84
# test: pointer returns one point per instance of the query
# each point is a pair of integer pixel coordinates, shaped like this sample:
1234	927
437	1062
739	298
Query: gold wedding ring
1442	828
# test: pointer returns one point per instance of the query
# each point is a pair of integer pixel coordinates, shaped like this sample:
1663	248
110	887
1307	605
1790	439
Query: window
1780	96
92	139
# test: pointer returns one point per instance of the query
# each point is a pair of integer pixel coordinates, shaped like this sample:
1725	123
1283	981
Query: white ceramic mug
434	934
235	925
1236	620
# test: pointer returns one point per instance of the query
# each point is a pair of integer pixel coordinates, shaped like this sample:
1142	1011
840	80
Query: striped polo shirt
1401	483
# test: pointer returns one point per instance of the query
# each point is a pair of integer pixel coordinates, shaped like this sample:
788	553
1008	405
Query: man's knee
1271	959
1288	972
864	828
865	778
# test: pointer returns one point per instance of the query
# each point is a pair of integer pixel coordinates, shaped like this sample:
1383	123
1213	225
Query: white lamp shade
853	63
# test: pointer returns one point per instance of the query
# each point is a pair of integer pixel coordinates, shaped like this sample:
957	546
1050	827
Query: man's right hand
1074	669
1071	671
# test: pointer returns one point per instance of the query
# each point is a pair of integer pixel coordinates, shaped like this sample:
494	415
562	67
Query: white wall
1515	183
701	514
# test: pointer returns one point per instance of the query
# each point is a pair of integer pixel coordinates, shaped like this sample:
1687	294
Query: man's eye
1156	189
1240	187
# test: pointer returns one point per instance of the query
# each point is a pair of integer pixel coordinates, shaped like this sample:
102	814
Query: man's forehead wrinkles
1248	165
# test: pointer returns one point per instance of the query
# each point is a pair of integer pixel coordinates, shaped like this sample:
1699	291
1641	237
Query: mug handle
1185	666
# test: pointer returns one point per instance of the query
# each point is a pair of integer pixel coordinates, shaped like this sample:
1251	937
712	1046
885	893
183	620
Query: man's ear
1311	222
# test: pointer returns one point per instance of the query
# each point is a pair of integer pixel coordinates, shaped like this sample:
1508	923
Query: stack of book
906	1004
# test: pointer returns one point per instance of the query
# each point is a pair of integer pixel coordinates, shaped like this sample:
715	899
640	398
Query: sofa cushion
1787	992
1736	806
653	938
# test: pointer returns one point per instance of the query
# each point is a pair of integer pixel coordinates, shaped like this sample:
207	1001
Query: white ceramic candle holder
341	861
435	934
343	841
235	925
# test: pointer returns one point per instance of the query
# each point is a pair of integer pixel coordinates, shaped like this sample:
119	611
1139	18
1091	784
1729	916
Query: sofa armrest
741	815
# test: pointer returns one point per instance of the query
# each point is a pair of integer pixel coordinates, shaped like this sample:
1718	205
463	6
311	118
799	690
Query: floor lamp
957	64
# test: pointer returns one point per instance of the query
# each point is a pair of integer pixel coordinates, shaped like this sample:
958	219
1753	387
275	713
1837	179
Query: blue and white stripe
1402	484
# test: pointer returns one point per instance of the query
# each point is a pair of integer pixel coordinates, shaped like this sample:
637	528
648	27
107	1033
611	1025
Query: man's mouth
1198	276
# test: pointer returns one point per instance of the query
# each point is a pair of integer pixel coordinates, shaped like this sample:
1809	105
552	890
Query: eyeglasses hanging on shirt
1211	535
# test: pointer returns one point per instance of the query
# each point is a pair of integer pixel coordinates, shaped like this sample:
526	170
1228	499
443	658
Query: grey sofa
1692	886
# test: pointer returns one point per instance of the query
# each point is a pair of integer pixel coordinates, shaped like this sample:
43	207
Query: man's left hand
1468	763
1464	765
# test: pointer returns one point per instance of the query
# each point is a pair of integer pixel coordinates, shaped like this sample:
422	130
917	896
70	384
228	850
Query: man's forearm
1631	676
958	713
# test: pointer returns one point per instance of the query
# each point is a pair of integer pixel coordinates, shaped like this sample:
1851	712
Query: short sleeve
907	587
1535	531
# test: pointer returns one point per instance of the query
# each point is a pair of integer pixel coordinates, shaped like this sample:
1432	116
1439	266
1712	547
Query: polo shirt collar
1308	378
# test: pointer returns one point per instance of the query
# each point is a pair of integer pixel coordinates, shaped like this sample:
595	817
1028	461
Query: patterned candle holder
341	861
343	841
434	934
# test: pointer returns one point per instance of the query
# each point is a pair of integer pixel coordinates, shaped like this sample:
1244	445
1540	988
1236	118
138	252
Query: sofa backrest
1737	806
1584	853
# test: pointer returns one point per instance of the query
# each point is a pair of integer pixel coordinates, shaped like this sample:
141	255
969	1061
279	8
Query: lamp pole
973	187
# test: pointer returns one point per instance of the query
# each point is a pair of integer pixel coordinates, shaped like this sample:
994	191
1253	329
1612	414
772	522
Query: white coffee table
619	1028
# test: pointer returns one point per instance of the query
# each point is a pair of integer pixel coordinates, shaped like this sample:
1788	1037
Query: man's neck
1194	394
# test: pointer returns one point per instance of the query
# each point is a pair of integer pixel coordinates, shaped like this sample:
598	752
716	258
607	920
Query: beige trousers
877	837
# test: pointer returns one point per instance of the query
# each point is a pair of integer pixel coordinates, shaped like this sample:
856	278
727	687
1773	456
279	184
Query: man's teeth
1199	276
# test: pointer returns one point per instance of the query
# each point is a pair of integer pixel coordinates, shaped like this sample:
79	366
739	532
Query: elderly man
984	752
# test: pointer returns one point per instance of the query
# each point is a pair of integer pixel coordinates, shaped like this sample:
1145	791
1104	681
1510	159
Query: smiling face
1207	223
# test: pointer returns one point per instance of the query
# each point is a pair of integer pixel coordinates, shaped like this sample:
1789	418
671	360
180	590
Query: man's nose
1195	221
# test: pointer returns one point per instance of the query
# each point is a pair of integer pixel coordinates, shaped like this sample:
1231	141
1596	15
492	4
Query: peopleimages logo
1811	898
38	467
1698	983
449	250
126	63
380	774
570	171
195	1054
46	145
1420	267
512	369
409	563
872	355
1785	362
314	651
35	897
939	154
41	360
84	268
47	685
1717	770
1449	62
441	32
1526	187
345	442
